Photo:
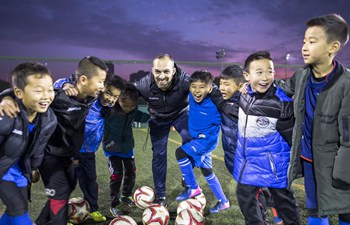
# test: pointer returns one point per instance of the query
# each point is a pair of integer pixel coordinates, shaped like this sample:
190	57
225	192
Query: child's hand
35	176
244	88
9	107
70	89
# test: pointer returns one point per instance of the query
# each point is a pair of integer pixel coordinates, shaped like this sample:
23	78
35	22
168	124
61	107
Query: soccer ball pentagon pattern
155	215
123	220
144	197
190	204
78	210
189	216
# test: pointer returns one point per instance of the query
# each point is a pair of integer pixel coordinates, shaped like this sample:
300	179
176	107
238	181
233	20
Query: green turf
231	216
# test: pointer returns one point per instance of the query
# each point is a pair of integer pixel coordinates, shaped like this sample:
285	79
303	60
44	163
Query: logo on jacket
262	122
19	132
73	109
110	144
153	98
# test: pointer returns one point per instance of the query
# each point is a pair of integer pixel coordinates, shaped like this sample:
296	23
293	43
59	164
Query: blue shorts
200	151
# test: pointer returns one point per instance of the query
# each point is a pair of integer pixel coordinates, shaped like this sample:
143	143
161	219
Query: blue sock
341	222
5	219
21	220
317	221
215	187
188	173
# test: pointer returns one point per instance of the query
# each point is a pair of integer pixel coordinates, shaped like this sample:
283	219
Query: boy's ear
210	89
18	92
246	75
335	47
83	79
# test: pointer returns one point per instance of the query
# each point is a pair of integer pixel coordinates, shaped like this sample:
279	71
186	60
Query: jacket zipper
244	143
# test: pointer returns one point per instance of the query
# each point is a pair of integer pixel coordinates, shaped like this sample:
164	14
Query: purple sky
190	30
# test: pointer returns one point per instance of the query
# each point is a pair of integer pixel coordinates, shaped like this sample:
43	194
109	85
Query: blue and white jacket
265	124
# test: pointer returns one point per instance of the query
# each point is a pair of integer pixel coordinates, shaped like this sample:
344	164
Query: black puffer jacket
17	145
165	105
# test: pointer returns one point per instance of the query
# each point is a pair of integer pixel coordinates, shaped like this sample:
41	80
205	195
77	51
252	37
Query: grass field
231	216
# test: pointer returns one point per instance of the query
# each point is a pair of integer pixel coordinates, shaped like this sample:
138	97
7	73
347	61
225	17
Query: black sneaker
127	200
160	201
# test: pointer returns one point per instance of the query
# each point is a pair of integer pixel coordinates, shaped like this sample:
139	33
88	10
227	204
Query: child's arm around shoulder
287	85
6	127
8	105
230	108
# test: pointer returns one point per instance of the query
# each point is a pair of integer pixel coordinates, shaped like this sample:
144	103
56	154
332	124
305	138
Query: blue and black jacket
265	124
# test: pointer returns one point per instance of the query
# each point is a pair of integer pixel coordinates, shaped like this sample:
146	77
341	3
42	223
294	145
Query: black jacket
165	105
69	134
16	144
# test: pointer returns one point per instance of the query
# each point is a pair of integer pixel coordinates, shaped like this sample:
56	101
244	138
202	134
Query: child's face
228	87
110	96
200	90
261	74
315	48
93	86
38	93
127	104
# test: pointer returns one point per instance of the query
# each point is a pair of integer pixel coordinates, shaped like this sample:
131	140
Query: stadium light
220	54
285	68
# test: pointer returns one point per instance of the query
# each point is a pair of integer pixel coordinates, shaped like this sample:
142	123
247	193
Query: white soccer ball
78	210
155	215
201	198
123	220
144	197
189	217
190	204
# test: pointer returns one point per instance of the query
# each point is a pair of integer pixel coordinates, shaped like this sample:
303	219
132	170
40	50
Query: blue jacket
265	123
94	125
229	129
204	120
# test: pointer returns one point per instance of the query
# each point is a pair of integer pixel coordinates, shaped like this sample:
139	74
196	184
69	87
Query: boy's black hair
202	76
22	71
115	81
87	66
335	27
234	72
130	92
256	56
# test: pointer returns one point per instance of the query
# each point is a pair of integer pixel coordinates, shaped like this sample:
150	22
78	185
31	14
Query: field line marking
298	186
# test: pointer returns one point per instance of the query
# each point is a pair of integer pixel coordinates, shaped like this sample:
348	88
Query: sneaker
128	201
97	216
188	193
160	201
115	212
220	206
277	220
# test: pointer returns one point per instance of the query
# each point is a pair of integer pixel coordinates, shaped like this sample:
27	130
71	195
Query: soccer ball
78	210
155	215
201	198
123	220
144	197
189	217
190	204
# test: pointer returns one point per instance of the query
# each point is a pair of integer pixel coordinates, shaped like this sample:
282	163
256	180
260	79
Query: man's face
260	75
110	96
228	88
163	71
200	90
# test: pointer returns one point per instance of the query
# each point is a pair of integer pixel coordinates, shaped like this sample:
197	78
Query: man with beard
166	91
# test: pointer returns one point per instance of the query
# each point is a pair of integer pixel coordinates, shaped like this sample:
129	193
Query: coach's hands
35	176
9	107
